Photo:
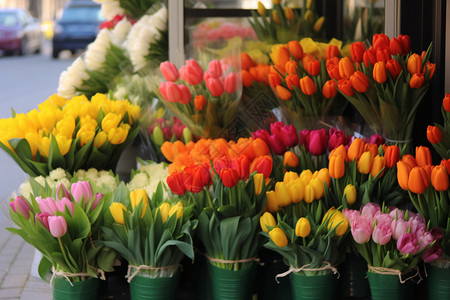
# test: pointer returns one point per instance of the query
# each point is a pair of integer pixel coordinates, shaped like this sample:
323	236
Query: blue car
77	27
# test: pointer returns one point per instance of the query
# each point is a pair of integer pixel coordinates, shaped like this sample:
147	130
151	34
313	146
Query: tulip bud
100	139
345	86
434	135
192	73
272	202
439	178
329	89
57	226
267	220
290	159
136	197
356	149
379	163
214	86
261	9
357	50
175	181
392	155
283	93
275	16
379	72
414	64
350	194
20	205
340	222
393	68
164	210
295	49
360	81
309	193
337	166
313	67
63	203
177	209
282	193
346	68
117	209
302	228
418	180
278	237
47	205
423	156
289	13
416	81
333	51
81	190
289	177
262	164
318	25
230	84
365	163
370	57
169	71
98	197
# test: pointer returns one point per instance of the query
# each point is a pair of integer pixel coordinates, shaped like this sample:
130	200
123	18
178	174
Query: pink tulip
361	229
215	68
61	192
399	228
230	84
350	214
47	205
318	142
186	95
43	218
438	234
214	86
382	234
192	72
289	136
425	239
397	214
407	244
169	71
173	92
20	205
207	75
163	89
376	139
65	202
432	254
98	197
370	210
81	190
57	226
385	219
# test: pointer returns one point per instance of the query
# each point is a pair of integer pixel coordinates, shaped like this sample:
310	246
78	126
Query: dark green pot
322	287
389	287
438	283
81	290
145	288
232	285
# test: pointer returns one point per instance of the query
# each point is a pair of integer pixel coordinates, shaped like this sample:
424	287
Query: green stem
64	253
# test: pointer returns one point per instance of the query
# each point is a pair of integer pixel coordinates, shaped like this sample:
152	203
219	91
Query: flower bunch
148	176
62	225
134	9
153	235
385	83
282	23
428	189
310	243
391	238
439	135
364	173
205	101
70	134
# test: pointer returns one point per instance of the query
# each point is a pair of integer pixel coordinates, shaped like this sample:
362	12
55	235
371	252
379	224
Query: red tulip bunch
385	83
439	135
204	100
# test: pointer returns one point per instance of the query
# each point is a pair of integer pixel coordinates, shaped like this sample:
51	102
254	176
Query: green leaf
81	154
44	269
55	159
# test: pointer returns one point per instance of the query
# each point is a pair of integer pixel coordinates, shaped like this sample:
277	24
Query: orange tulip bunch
438	135
385	83
302	84
428	188
363	173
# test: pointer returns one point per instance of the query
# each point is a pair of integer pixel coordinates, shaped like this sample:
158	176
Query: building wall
44	10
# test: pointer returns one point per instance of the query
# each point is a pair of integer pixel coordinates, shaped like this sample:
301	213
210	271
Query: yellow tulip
309	16
267	219
328	215
134	112
164	209
87	109
86	134
289	13
272	202
177	209
32	138
278	237
261	9
118	135
290	176
117	210
44	146
296	190
136	197
340	222
302	228
318	24
276	2
64	144
324	175
350	194
100	139
275	16
33	116
365	162
318	186
66	126
88	121
110	121
258	180
282	193
309	193
306	175
48	119
120	107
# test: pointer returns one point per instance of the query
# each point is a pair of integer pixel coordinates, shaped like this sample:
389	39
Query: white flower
96	52
159	19
80	173
111	8
25	189
40	180
57	174
121	92
72	78
91	174
120	31
149	177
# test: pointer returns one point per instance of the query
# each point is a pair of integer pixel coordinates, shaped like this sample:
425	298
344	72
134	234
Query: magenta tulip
361	229
169	71
433	253
376	139
81	190
98	197
20	205
289	136
382	234
262	134
65	202
407	244
214	86
57	226
275	128
61	192
304	138
43	218
337	138
438	234
276	144
318	142
47	205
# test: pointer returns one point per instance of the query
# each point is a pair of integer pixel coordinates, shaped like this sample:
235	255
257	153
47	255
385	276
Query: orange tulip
379	163
291	67
283	93
345	86
295	49
289	13
445	163
372	148
292	80
357	50
356	149
333	51
431	68
360	81
307	85
290	159
346	68
247	78
199	102
246	61
370	57
329	89
434	135
260	148
275	16
410	160
336	166
313	67
423	156
393	68
274	80
365	163
167	151
403	170
416	81
446	102
340	150
379	72
414	64
418	180
272	202
283	56
392	155
439	178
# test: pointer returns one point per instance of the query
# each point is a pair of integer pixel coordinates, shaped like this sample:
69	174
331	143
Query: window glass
82	14
8	19
362	19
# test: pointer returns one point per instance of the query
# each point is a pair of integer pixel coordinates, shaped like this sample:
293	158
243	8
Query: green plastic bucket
321	287
232	285
438	283
389	287
163	288
80	290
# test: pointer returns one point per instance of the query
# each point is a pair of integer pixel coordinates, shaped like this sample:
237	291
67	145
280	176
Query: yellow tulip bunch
71	134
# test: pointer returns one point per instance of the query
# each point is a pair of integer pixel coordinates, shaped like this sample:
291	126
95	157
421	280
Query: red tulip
192	73
247	78
295	49
292	80
274	80
393	68
333	51
380	40
291	67
434	135
333	71
370	57
446	102
173	92
329	89
175	181
345	86
246	61
196	177
215	86
405	42
360	82
169	71
416	81
395	46
304	138
200	102
263	165
357	50
262	134
215	68
313	67
230	85
242	165
392	155
230	177
383	54
186	95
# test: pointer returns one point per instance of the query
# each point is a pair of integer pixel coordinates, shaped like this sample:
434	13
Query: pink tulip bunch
392	238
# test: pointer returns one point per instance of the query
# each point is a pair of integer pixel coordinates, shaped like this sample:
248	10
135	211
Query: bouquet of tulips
282	23
392	241
70	134
205	101
153	236
428	189
439	135
62	225
385	83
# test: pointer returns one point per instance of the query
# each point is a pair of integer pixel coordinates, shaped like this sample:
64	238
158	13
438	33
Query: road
24	83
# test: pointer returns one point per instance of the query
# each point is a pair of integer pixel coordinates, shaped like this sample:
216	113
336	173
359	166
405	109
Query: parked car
19	32
77	27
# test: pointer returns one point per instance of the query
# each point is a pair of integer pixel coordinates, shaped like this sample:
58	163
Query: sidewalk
16	257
